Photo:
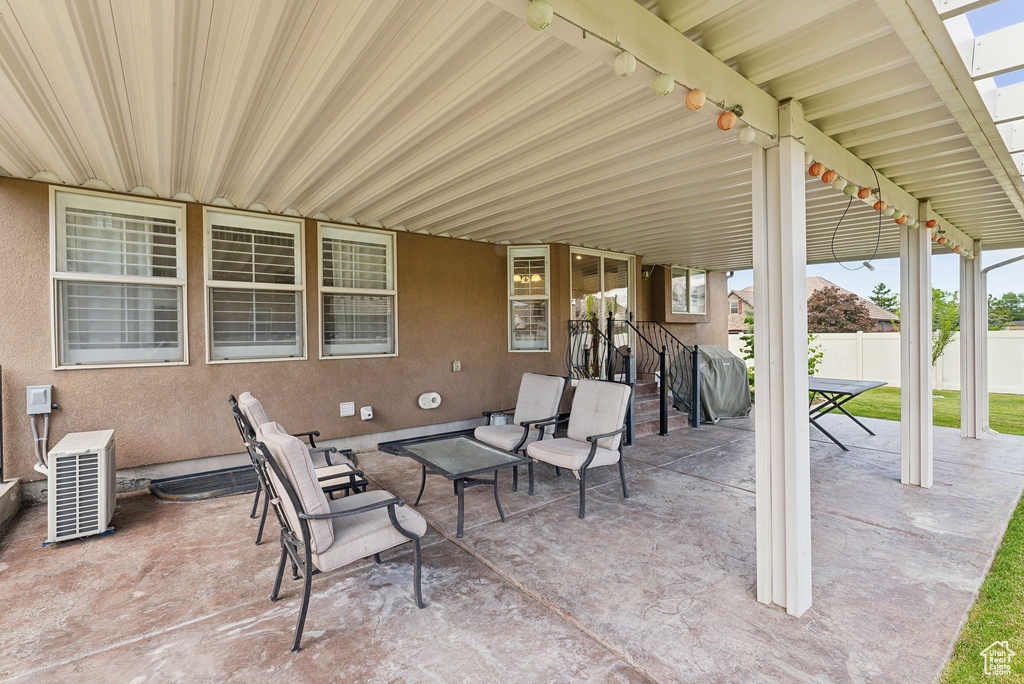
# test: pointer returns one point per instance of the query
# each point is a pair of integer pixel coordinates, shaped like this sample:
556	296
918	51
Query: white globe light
839	183
539	14
888	211
808	159
625	64
745	135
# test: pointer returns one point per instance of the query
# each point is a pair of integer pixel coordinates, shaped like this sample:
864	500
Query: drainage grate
208	485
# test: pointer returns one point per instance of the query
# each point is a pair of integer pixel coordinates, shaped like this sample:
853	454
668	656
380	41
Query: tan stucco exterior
452	302
706	328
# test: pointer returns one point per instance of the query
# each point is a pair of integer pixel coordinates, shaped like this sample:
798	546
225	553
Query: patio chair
320	534
593	437
342	476
539	398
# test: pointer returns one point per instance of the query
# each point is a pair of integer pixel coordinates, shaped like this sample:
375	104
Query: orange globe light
942	240
879	205
726	120
931	223
864	193
901	220
829	176
935	237
816	169
695	99
956	248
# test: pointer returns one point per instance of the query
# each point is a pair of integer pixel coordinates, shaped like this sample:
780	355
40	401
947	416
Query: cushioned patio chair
593	437
340	476
538	401
320	534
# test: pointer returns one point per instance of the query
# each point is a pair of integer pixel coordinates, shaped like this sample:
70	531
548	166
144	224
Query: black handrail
647	358
679	370
592	354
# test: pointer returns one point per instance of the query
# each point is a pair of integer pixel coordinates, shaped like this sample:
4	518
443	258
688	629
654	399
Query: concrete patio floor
657	587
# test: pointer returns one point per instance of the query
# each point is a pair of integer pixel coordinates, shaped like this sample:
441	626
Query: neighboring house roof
814	283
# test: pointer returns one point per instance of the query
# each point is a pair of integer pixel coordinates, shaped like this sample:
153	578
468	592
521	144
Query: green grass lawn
998	614
1006	411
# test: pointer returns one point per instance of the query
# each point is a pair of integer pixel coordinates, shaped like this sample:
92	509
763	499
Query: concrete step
644	388
649	423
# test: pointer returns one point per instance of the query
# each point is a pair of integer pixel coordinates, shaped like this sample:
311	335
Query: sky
945	267
945	274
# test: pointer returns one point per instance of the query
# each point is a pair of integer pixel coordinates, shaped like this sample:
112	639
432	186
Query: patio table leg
829	435
496	501
529	467
423	484
854	419
460	487
515	478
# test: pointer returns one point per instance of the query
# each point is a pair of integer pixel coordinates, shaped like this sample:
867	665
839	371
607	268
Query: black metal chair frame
356	479
593	439
295	545
520	448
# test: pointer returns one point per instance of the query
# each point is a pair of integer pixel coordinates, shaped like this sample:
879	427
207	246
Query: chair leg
256	501
529	468
416	574
376	557
295	571
308	577
515	478
583	492
558	472
622	476
263	519
280	574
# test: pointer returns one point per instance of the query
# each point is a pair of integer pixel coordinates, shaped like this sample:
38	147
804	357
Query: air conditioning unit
81	485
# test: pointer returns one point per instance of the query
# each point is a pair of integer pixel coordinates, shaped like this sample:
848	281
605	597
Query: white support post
781	439
916	352
973	348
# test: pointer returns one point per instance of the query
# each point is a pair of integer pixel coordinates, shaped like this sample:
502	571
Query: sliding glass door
600	283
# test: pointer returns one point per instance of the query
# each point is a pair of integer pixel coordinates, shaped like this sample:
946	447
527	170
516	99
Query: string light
879	205
829	176
726	120
864	193
839	183
539	14
625	64
745	135
816	169
663	84
695	99
850	190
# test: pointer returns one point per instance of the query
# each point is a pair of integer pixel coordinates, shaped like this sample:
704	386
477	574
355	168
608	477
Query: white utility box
81	485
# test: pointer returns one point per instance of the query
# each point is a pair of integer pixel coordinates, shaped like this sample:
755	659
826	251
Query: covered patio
658	587
202	199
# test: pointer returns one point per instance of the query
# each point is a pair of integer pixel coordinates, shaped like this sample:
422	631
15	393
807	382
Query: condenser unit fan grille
77	509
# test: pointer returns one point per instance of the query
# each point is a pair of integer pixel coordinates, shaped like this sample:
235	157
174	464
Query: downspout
984	289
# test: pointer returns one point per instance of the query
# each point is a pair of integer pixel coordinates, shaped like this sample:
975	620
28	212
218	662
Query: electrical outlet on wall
456	366
348	408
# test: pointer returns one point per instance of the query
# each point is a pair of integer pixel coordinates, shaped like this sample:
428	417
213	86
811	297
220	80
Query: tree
814	351
887	299
1004	310
945	320
830	310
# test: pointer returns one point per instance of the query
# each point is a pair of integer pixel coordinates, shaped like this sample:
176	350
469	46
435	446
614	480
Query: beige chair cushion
503	436
253	411
570	454
335	473
539	397
363	534
292	457
598	407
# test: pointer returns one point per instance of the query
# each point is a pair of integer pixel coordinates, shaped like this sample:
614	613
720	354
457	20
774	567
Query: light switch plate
348	408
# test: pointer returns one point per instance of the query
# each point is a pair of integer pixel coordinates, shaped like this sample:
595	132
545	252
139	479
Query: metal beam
915	354
781	435
998	52
1009	102
973	348
948	9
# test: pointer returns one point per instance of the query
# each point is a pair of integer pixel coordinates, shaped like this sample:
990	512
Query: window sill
686	318
357	356
214	362
128	364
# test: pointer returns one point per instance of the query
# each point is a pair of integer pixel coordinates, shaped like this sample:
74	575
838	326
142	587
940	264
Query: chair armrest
308	435
594	438
323	450
396	501
549	421
488	414
352	474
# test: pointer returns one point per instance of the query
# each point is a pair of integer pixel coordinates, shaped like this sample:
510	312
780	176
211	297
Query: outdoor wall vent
81	485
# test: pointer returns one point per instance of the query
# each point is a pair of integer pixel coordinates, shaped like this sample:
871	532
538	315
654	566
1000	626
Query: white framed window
255	299
734	306
358	292
117	267
529	293
689	287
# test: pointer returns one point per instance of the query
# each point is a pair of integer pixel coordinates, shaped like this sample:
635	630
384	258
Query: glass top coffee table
458	457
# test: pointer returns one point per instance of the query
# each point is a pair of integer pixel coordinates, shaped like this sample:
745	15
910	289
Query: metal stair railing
683	381
592	354
651	360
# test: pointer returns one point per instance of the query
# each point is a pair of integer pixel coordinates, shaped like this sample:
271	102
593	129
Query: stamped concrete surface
657	587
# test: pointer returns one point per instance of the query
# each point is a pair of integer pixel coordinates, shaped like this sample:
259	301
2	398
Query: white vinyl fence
876	356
